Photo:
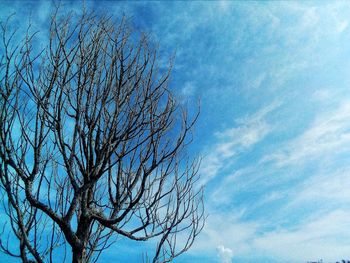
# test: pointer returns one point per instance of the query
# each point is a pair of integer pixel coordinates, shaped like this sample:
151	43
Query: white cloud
318	203
188	89
318	237
186	92
322	95
231	184
256	83
320	231
321	235
249	131
327	136
225	254
341	26
245	135
310	18
225	230
322	191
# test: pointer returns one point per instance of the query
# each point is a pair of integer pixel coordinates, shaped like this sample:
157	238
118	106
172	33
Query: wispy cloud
247	132
328	135
292	204
228	232
323	237
317	203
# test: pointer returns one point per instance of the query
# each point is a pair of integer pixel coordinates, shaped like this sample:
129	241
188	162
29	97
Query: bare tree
92	145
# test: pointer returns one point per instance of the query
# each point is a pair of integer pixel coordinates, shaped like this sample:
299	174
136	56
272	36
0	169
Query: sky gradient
273	80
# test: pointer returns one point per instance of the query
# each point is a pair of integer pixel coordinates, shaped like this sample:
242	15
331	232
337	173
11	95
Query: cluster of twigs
91	145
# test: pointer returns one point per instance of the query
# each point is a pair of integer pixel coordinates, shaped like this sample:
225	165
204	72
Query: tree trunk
79	251
78	256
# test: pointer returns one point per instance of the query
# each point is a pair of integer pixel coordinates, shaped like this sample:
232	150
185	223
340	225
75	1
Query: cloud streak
328	135
247	132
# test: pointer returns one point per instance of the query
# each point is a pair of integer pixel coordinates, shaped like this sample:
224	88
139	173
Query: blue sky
273	79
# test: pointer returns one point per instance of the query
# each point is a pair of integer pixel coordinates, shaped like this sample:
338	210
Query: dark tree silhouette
92	145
